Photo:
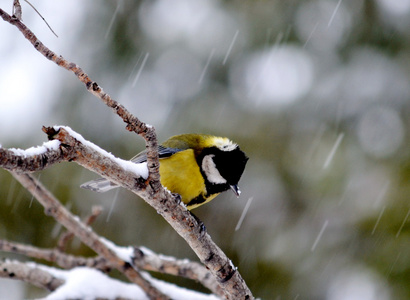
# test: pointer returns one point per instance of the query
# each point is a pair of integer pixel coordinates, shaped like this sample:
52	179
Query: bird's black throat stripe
198	200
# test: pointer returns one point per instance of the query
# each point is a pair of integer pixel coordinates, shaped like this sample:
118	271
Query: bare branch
63	260
30	274
54	208
68	235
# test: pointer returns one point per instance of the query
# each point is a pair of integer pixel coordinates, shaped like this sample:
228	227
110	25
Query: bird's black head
222	168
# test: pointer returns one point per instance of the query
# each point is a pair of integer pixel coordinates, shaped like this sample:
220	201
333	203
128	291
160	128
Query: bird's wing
162	152
103	185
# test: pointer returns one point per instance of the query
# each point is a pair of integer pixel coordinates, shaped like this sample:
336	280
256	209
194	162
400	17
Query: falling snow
322	116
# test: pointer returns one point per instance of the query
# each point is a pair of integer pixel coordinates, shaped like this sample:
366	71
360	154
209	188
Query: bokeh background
317	93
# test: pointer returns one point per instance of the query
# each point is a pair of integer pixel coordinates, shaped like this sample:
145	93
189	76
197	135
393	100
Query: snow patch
125	253
33	151
141	169
88	284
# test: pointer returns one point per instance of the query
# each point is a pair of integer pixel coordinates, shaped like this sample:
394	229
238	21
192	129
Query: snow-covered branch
29	273
166	204
55	209
32	159
100	286
73	147
148	260
92	157
143	258
88	283
133	123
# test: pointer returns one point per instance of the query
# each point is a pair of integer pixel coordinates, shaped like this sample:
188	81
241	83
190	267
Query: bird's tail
100	185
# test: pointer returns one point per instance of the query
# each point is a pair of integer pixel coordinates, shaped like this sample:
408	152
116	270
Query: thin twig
17	12
67	236
49	27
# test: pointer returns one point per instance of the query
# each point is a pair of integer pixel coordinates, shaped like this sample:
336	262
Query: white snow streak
245	210
402	225
333	151
119	5
334	13
230	47
378	219
206	66
144	61
319	236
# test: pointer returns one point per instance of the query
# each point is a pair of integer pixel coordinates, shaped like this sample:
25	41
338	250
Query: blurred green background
317	93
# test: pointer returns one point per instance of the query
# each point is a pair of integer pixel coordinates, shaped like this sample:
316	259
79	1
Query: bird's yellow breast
180	174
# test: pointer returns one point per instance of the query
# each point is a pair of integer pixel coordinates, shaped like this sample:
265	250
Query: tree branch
35	276
44	277
32	159
167	205
133	123
80	151
54	208
143	258
150	261
67	236
62	259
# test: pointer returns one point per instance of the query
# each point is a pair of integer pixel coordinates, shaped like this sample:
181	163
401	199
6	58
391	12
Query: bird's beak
235	189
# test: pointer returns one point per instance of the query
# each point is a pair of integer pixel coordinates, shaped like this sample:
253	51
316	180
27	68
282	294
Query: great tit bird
198	167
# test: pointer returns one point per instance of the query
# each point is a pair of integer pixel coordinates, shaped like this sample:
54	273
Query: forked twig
68	235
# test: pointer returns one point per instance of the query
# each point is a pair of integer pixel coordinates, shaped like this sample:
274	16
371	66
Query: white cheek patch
210	170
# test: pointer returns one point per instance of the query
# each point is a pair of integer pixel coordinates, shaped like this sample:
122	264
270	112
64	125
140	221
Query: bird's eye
228	147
